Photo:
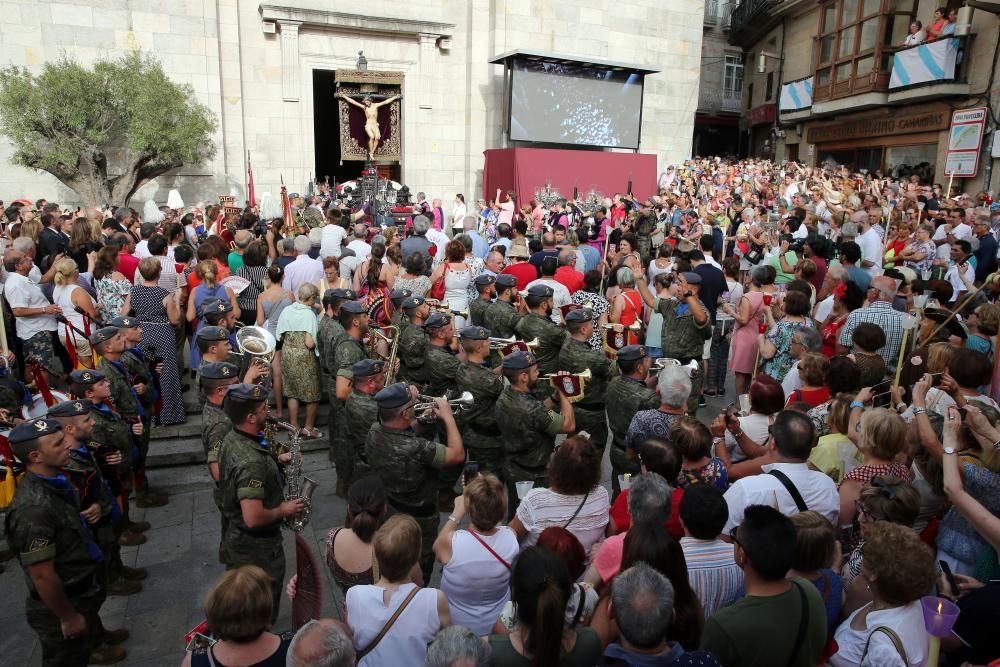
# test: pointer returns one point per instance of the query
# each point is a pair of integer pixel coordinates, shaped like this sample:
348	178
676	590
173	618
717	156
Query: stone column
290	77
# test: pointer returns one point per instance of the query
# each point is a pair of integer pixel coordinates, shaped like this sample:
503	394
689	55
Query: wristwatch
949	450
688	294
919	411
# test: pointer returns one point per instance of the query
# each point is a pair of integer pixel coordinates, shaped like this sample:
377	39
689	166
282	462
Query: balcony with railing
716	100
752	19
717	13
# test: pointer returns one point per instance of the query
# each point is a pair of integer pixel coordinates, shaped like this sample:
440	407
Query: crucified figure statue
371	118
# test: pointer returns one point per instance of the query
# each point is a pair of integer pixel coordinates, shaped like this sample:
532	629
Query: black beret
414	302
342	293
33	429
485	279
86	377
393	396
474	333
103	334
354	307
398	294
506	280
218	370
692	278
519	360
436	320
632	353
125	322
213	333
580	315
75	408
215	306
246	393
540	290
367	367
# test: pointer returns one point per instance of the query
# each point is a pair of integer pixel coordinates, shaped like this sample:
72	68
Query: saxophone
297	485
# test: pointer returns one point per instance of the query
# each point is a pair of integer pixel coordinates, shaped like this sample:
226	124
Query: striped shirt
714	575
542	508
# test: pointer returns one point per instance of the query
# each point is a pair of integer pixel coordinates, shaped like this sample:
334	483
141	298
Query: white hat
152	213
174	200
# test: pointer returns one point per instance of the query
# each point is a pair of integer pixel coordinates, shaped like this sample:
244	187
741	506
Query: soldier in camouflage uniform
478	425
328	333
442	367
686	327
251	490
361	412
502	315
628	393
216	346
413	341
577	356
61	560
528	426
398	297
407	464
645	227
215	379
484	284
538	324
349	350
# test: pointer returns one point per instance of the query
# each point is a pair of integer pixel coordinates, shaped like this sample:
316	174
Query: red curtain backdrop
525	170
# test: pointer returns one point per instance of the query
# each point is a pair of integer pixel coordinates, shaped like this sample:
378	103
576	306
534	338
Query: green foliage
122	116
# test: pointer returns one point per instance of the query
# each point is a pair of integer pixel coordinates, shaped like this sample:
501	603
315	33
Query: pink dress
743	350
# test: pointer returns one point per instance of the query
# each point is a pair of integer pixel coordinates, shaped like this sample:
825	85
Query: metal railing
719	100
743	12
717	12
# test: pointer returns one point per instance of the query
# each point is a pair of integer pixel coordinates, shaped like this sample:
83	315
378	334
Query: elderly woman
476	561
159	311
775	345
626	306
111	285
866	339
590	297
919	255
746	435
899	570
880	434
76	304
412	277
574	500
296	330
812	372
983	324
420	612
748	313
239	612
331	275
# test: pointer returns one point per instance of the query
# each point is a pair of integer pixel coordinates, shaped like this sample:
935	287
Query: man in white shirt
34	316
834	276
791	188
871	244
146	231
560	294
960	266
361	249
303	269
439	239
332	239
26	246
789	484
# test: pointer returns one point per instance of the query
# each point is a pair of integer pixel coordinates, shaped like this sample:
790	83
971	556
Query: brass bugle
426	402
496	342
635	327
585	375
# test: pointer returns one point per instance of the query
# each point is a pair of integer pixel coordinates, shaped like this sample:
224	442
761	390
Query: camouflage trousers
594	422
41	346
58	651
343	452
485	450
267	553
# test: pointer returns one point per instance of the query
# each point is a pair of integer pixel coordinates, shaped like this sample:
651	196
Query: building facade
266	71
834	82
716	124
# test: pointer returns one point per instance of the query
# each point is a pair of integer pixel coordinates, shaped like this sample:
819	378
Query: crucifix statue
371	118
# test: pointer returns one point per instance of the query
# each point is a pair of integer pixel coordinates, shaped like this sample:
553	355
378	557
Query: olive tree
106	130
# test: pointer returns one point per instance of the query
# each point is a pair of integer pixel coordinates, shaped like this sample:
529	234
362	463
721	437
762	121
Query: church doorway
326	129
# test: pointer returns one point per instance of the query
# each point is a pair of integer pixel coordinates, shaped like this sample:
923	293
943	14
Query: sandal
312	434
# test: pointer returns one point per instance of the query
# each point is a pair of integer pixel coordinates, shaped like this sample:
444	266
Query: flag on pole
251	195
286	209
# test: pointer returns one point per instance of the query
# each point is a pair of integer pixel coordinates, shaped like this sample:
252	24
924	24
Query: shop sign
878	127
759	115
965	139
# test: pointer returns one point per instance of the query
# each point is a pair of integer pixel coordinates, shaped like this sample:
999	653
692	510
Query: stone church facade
263	70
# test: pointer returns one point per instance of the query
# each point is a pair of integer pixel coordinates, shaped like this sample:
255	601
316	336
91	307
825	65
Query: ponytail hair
540	585
375	265
366	507
208	272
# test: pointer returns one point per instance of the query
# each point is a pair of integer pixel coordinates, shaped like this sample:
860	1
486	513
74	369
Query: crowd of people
851	319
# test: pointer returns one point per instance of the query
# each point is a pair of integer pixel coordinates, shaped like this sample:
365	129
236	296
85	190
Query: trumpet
635	327
662	362
424	407
379	334
571	385
585	375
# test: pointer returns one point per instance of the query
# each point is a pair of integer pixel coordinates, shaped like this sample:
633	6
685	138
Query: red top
623	520
570	277
830	334
127	265
524	272
811	396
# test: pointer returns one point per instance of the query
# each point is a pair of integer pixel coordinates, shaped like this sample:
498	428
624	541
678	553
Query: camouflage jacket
625	397
529	430
485	386
122	397
328	332
361	412
215	425
682	338
136	365
247	471
501	318
551	338
442	366
110	430
407	464
348	352
413	344
477	311
576	357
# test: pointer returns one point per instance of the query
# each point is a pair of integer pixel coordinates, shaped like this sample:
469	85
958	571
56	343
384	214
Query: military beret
691	277
436	320
540	290
519	360
125	322
342	293
103	334
213	333
474	333
215	306
246	393
86	377
485	279
219	370
75	408
398	294
506	280
354	307
580	315
33	429
414	302
367	367
393	396
632	353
